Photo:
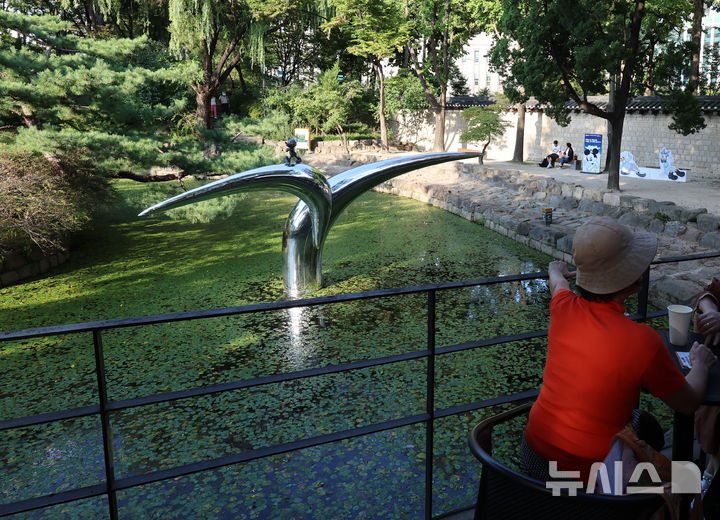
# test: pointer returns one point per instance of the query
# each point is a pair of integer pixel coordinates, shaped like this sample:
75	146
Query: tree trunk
693	84
614	143
439	144
611	108
518	154
202	98
381	108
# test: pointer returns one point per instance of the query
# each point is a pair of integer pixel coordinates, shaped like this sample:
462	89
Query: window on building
464	58
477	56
477	82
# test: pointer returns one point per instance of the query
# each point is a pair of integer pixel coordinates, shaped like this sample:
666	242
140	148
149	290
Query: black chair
506	494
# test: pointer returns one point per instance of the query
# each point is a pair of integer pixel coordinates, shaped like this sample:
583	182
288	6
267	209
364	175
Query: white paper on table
684	358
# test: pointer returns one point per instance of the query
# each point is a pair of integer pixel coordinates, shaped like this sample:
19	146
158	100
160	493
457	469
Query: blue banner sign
592	151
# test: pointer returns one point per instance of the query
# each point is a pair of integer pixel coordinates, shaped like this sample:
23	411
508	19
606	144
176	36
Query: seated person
567	155
707	418
598	359
549	161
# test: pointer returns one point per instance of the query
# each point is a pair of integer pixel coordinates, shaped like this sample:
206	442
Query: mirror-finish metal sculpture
321	202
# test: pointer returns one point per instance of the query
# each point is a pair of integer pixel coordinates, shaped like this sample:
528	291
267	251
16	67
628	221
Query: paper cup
679	318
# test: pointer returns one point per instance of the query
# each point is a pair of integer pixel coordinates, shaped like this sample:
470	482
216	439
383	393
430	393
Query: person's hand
701	356
708	324
561	268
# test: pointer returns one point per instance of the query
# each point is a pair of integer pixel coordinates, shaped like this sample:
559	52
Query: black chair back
506	494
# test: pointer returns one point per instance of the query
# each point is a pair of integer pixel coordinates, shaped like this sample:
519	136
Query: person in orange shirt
599	359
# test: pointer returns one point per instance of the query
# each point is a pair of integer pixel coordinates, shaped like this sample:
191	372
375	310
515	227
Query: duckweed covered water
132	267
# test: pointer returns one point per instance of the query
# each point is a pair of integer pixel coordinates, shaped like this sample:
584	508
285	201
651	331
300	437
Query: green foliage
84	83
276	126
45	198
687	113
404	92
327	105
484	124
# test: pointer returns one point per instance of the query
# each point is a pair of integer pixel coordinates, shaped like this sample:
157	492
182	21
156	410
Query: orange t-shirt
598	360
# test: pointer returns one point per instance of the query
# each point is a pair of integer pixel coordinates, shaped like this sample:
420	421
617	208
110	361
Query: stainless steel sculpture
321	202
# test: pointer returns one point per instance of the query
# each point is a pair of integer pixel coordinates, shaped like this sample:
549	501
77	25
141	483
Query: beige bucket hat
609	257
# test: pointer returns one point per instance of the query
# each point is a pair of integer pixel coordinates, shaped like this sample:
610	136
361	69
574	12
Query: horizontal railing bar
148	478
490	342
454	512
275	378
279	449
477	405
76	328
52	500
42	418
685	258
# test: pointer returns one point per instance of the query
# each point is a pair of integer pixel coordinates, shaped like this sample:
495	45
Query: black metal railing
104	407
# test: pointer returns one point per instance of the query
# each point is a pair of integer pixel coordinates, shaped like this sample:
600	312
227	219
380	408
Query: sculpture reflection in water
322	200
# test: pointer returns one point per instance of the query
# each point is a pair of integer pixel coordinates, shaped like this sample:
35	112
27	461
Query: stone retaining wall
17	267
510	202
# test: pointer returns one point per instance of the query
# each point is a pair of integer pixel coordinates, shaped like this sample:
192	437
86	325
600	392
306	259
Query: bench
571	161
472	150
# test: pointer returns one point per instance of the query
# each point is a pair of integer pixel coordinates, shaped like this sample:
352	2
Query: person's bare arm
690	396
558	274
708	321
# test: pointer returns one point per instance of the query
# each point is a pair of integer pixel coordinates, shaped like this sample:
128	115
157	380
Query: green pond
131	267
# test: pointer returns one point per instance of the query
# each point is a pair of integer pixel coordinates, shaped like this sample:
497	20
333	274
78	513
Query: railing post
430	406
106	427
643	295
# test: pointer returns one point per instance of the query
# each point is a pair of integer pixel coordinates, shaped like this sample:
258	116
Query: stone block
9	278
611	199
566	189
13	261
675	228
541	184
677	291
578	192
586	205
565	243
523	228
656	226
554	187
613	211
642	205
627	201
691	214
539	195
28	270
595	194
546	234
711	240
635	221
707	222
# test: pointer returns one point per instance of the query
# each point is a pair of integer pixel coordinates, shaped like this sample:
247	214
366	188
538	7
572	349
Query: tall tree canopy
439	32
377	30
555	57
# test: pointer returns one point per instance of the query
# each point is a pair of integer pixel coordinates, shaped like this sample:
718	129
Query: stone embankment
510	202
17	267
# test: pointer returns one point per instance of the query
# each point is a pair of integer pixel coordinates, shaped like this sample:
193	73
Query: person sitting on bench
567	156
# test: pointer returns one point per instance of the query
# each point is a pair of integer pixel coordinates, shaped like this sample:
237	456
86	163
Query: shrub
45	198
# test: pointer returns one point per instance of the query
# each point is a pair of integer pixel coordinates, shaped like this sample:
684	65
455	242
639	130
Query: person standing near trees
213	107
224	104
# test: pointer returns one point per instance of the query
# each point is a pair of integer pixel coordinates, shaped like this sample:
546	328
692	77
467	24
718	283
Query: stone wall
643	135
17	267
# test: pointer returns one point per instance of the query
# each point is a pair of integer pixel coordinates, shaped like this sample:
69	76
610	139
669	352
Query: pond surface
131	267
